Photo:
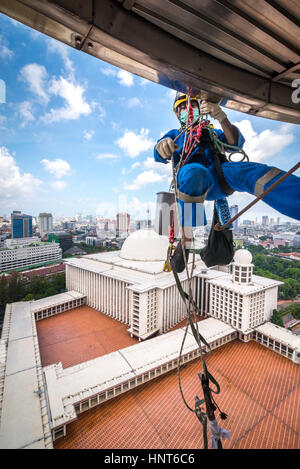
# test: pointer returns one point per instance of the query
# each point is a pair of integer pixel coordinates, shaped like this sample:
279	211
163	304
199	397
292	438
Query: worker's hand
213	110
166	147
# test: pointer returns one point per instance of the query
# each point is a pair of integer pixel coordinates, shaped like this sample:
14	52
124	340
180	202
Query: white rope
217	433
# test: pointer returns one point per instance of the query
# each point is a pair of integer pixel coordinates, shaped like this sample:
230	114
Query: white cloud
125	78
171	93
88	135
14	184
63	50
59	168
147	177
132	168
106	209
134	206
2	120
99	109
25	111
35	76
134	165
134	102
133	144
107	156
72	94
144	81
108	72
115	126
154	172
5	52
260	146
161	168
58	185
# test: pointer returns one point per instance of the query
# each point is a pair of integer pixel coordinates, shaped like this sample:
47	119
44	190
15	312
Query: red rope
193	138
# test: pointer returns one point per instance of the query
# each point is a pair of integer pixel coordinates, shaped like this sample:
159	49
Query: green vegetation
91	249
266	264
293	309
277	318
285	249
16	289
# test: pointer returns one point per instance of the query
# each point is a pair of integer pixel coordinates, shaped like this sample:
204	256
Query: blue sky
77	134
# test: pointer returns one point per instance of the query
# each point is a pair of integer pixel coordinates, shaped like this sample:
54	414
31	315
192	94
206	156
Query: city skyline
77	134
83	218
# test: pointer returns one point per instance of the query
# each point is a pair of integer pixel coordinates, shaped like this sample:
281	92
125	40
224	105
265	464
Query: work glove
166	147
213	110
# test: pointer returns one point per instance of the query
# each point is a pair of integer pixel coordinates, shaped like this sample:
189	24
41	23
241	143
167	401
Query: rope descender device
167	265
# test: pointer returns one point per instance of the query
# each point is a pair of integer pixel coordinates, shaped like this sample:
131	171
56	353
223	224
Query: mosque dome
242	257
145	245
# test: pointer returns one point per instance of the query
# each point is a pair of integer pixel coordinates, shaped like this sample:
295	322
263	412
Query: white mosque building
131	286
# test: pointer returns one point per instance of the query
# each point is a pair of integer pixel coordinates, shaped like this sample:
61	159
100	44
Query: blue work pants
194	179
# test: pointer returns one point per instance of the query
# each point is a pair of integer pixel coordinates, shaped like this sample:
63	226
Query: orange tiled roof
79	335
260	392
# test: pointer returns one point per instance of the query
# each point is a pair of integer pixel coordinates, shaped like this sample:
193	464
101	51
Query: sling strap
263	180
192	199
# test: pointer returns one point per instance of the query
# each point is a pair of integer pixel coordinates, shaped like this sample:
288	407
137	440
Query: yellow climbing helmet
181	98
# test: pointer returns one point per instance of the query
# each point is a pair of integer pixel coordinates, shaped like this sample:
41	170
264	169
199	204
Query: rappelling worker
205	177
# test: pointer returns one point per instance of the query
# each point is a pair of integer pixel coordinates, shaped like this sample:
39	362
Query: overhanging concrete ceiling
245	53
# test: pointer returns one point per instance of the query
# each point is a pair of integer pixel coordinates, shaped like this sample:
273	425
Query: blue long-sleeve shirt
208	154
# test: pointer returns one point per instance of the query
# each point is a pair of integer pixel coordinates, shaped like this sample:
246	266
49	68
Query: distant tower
265	220
242	267
21	225
45	223
123	221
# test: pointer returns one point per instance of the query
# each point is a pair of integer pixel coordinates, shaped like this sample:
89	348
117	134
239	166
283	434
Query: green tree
16	288
277	318
58	281
293	272
28	297
293	309
50	291
3	292
289	288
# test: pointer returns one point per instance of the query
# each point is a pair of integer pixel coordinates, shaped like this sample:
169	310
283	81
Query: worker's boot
186	242
177	261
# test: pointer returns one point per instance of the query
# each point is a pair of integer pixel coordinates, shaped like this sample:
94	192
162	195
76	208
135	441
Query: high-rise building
123	220
234	210
45	223
64	239
265	220
21	225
